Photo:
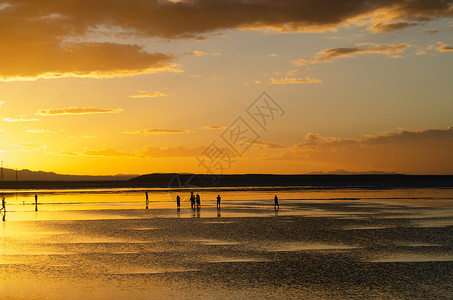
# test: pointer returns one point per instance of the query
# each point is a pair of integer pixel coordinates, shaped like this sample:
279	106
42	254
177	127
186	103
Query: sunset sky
136	87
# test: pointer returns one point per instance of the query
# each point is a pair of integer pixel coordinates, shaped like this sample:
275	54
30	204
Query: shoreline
184	181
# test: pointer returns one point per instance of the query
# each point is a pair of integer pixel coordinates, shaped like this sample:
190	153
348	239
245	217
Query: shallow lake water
104	244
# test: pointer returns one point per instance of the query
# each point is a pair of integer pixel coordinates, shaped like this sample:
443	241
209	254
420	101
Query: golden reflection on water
106	245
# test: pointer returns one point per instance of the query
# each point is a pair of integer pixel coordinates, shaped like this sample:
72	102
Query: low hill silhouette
174	180
28	175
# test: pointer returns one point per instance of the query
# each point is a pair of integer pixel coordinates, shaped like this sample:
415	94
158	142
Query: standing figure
178	201
276	206
147	199
192	200
218	201
3	209
36	202
198	200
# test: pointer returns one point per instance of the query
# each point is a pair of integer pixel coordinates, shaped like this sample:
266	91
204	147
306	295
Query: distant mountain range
307	181
345	172
27	179
27	175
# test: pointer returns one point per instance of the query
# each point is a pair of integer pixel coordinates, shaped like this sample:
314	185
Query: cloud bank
51	38
413	152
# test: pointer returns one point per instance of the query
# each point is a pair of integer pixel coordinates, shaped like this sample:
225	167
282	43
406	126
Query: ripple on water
224	259
134	270
289	247
212	242
414	258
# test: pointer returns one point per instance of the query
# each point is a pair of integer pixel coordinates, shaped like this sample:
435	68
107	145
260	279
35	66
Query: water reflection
106	245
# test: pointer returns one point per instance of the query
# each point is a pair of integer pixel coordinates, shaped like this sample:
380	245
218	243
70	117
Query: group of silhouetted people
195	201
3	208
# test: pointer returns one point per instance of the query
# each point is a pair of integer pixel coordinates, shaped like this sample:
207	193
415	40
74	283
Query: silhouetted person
276	206
198	200
178	201
147	199
3	209
192	200
36	202
218	201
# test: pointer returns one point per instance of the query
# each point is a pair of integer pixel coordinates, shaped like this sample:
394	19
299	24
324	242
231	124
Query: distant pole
36	202
147	200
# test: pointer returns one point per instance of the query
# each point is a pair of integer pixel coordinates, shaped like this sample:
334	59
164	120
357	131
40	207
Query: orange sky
135	87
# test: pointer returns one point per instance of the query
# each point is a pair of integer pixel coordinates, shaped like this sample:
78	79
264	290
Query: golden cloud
178	151
77	111
268	145
388	27
294	80
158	131
23	147
328	55
214	127
153	152
19	120
50	59
441	47
144	94
110	152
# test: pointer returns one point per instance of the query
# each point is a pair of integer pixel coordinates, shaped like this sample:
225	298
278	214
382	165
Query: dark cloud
171	19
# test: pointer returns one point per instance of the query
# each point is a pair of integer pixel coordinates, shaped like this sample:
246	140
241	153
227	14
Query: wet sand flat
310	248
